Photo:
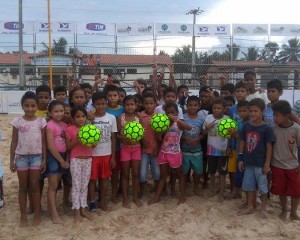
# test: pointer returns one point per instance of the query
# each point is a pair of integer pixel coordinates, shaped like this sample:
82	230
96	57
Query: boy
182	93
227	90
104	153
255	156
43	94
60	93
250	80
216	146
88	91
285	162
139	85
190	142
122	95
115	109
230	102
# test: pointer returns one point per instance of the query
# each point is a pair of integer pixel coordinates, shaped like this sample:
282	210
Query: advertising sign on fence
134	29
210	30
12	27
174	29
285	30
95	28
56	27
250	29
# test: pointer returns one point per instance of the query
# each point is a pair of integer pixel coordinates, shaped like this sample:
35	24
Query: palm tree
269	52
290	52
251	55
59	46
235	51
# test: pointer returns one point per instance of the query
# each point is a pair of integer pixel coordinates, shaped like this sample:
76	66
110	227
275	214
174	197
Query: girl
28	155
76	97
80	164
149	143
170	154
130	152
139	103
56	154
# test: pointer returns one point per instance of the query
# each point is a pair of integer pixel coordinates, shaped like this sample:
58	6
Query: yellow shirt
41	113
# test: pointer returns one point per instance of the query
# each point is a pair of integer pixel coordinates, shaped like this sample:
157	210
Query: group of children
45	144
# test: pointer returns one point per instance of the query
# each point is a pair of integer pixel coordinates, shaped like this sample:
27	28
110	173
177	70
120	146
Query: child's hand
233	132
90	116
229	152
260	90
173	118
211	125
64	164
113	163
266	169
241	166
12	167
43	166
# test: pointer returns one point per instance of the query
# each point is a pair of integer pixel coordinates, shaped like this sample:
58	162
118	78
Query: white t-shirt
107	125
159	109
263	96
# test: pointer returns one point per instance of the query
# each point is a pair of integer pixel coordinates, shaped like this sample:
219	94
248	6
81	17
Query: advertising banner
134	29
250	29
212	30
56	27
285	30
12	27
173	29
95	28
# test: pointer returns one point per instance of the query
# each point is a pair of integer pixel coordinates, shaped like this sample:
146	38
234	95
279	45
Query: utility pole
21	57
195	12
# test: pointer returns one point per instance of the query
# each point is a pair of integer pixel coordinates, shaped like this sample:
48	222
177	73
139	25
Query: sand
198	218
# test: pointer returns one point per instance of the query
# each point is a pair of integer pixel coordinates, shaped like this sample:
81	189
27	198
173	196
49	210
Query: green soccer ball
160	122
89	135
224	125
134	131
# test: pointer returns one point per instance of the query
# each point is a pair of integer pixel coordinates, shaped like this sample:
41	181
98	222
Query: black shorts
217	163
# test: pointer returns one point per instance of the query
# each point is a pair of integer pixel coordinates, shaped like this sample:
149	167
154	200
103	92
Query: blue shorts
28	162
194	161
255	178
53	166
146	161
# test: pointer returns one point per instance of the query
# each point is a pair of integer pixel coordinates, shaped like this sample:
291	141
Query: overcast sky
167	11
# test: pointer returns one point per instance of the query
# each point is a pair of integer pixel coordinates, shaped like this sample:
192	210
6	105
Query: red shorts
118	162
101	167
285	182
174	160
129	153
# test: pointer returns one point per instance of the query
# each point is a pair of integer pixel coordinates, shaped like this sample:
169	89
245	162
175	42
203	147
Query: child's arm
172	82
240	155
154	78
13	147
113	149
294	118
44	150
120	136
266	167
181	124
71	143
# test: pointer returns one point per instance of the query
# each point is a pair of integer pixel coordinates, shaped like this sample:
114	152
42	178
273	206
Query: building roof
13	58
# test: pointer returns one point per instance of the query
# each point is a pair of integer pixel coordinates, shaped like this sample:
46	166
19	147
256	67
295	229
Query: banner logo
277	30
183	28
203	29
260	30
124	30
64	25
240	30
44	25
221	29
145	29
12	25
95	27
164	27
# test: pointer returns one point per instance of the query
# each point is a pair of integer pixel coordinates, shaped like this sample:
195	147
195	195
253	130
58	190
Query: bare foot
23	222
138	202
126	205
85	214
36	221
154	200
56	220
77	218
243	205
103	206
246	211
230	196
294	217
263	214
283	216
181	200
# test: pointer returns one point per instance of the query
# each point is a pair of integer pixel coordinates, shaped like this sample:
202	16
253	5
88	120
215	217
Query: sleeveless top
123	123
171	142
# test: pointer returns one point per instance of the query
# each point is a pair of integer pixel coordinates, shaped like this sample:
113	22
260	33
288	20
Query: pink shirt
150	135
59	135
79	150
171	141
29	135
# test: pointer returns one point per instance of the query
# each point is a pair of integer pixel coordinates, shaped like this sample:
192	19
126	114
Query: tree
290	52
162	53
235	51
251	55
269	52
182	59
59	46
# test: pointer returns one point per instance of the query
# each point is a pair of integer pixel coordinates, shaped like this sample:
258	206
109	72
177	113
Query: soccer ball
224	125
134	131
160	122
89	135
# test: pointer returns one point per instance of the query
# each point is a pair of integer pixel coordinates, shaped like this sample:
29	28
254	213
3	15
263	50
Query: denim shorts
149	160
28	162
255	178
53	166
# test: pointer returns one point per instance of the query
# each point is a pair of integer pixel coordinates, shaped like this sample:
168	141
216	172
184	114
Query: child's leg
197	167
103	191
155	172
145	162
34	190
172	182
283	202
125	178
294	207
23	191
67	183
251	200
76	179
231	181
222	187
52	187
115	178
182	179
92	193
136	180
164	171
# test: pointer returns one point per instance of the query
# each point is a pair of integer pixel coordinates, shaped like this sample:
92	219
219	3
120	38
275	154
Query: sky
156	11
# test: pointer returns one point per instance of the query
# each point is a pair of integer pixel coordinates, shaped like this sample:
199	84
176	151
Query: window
119	71
131	71
14	71
108	71
29	71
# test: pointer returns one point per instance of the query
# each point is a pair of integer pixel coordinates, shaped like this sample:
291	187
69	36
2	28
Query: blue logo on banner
164	27
203	29
95	27
64	25
183	28
221	29
12	25
45	25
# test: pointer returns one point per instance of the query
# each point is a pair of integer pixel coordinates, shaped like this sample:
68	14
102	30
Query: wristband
241	157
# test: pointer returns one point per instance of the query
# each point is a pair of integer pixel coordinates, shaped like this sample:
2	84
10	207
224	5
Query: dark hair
67	105
193	99
122	90
219	101
249	73
242	103
239	85
28	95
115	81
128	98
138	97
76	109
181	87
258	102
142	81
228	87
58	89
275	83
110	88
169	90
205	89
97	96
216	94
43	88
170	105
149	95
54	103
147	89
282	107
229	98
163	85
85	85
71	95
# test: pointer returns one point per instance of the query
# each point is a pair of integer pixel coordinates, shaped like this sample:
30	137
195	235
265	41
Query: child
26	158
190	144
250	81
80	164
139	103
216	147
122	95
149	143
182	93
227	90
104	153
88	91
56	155
285	163
130	153
60	93
67	119
170	154
76	97
255	156
139	85
229	103
114	108
43	94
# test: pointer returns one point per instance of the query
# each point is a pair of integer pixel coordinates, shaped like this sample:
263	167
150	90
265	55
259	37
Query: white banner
93	28
13	27
134	29
285	30
56	27
212	30
174	29
250	29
